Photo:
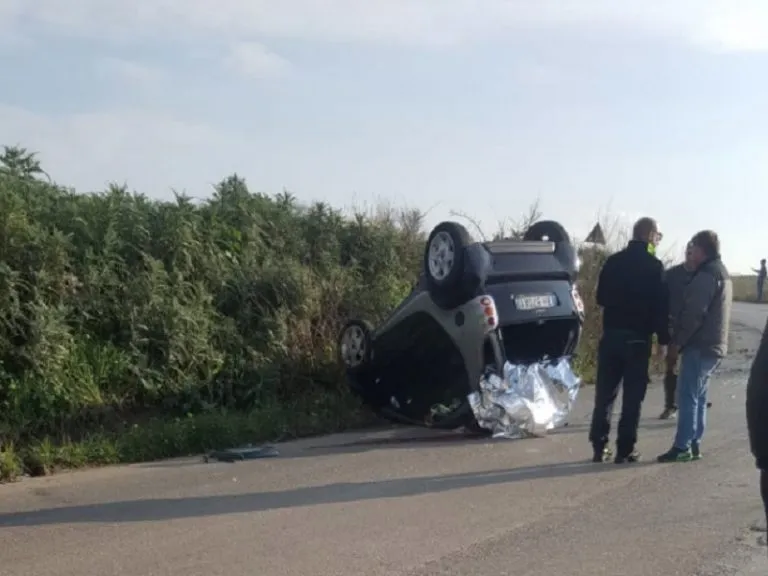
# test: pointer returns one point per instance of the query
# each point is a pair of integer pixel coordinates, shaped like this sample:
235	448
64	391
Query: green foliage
133	328
10	463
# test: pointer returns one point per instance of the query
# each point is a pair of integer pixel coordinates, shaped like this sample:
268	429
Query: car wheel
565	250
355	345
547	230
444	260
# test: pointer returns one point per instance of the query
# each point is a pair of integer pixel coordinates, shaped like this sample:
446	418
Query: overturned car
484	340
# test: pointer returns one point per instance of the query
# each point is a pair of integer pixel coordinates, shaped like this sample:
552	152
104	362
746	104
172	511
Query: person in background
757	414
761	274
700	336
633	294
677	279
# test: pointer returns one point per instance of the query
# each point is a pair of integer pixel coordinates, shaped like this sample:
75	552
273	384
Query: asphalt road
404	502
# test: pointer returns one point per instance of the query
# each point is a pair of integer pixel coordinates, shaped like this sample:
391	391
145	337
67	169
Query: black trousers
622	357
764	492
670	388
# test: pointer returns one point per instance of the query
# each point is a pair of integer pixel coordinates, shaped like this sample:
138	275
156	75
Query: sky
600	109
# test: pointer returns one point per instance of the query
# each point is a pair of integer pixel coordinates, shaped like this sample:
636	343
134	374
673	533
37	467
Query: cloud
139	75
736	25
531	73
140	147
736	31
254	60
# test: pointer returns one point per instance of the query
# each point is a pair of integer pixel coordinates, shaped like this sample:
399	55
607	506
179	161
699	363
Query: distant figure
761	274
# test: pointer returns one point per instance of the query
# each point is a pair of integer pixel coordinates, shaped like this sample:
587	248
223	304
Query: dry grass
745	288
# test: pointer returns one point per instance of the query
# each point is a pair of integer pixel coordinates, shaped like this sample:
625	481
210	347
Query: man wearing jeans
701	337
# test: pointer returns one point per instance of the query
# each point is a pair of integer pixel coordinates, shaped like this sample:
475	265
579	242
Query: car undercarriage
480	316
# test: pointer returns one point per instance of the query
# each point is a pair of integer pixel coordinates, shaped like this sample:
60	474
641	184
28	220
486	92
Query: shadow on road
195	507
408	440
583	428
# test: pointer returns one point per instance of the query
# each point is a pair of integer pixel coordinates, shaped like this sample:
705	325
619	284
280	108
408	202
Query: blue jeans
692	385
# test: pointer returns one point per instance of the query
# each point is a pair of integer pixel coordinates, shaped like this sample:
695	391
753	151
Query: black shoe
630	458
601	454
676	455
668	413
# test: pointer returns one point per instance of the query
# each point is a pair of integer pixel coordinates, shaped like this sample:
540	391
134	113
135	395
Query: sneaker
630	458
695	451
668	413
675	454
601	455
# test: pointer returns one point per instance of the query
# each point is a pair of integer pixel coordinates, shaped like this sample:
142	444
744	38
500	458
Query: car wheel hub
441	256
353	346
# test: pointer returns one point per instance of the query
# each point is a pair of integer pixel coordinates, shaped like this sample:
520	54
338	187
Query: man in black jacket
633	294
757	414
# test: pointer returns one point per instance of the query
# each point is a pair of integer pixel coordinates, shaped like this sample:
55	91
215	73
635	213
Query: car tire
444	263
565	250
549	229
355	346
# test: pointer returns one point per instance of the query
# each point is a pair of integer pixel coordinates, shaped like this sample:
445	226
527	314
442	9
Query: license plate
535	301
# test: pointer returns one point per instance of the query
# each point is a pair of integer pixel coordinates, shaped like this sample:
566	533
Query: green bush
134	329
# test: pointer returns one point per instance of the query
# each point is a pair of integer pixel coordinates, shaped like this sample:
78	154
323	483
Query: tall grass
745	289
133	329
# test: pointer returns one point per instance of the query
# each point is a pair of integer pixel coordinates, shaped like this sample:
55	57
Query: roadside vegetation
133	329
745	288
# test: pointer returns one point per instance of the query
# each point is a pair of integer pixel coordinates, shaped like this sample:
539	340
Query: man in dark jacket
677	279
757	414
762	273
633	294
700	334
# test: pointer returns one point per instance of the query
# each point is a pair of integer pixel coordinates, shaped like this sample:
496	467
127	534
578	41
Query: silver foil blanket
528	400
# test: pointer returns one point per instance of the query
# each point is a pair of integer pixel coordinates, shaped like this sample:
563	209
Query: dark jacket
633	293
704	319
757	404
677	279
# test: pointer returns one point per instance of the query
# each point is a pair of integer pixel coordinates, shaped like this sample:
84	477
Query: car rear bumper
516	301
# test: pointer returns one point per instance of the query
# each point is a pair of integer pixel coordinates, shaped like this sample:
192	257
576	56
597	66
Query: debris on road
248	452
528	400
